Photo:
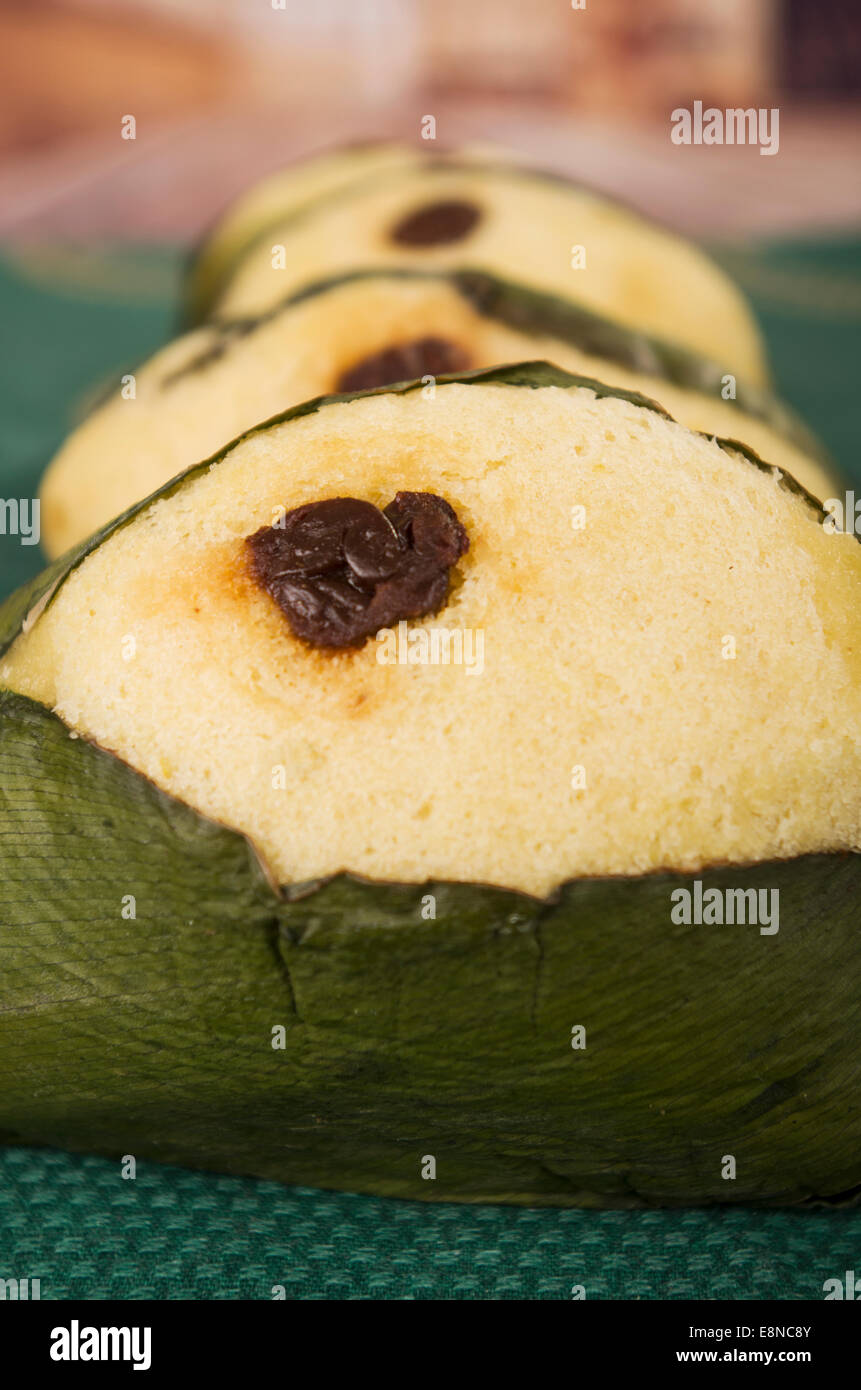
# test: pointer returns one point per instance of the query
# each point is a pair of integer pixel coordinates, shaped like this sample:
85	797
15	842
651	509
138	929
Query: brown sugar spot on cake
437	224
341	569
361	704
404	362
207	582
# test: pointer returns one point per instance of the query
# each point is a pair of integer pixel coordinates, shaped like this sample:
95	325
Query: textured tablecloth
71	321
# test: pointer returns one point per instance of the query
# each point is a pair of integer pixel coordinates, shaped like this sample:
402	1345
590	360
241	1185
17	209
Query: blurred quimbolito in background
95	228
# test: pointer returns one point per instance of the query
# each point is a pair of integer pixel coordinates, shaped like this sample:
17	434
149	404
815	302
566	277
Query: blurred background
226	90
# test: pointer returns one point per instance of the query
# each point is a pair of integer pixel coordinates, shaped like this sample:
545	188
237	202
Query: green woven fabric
70	322
86	1233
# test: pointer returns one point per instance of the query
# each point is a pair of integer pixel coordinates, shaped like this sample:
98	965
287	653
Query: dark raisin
404	362
436	224
342	569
